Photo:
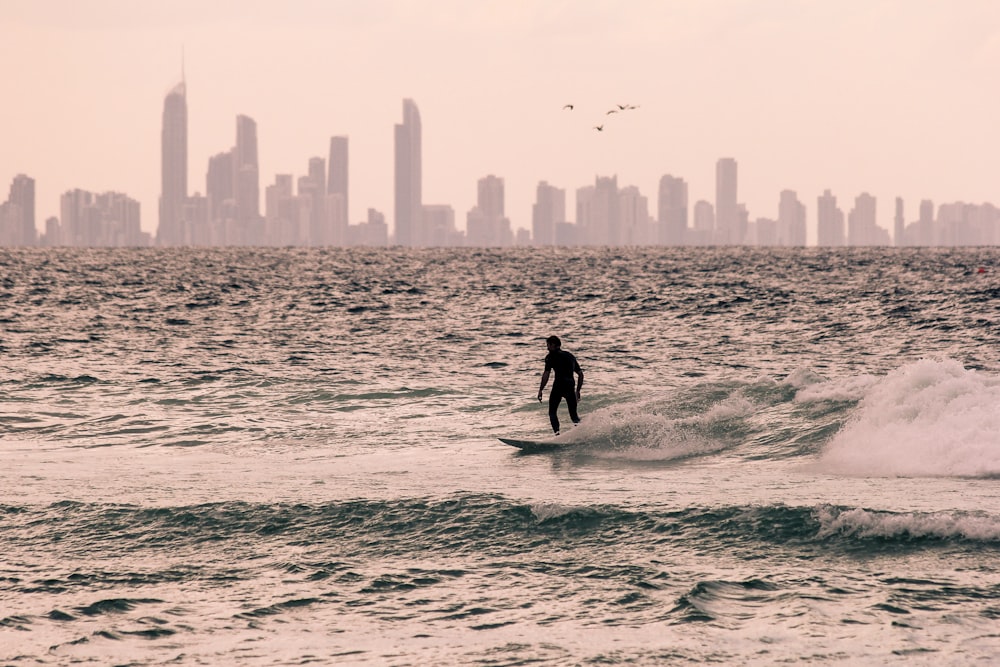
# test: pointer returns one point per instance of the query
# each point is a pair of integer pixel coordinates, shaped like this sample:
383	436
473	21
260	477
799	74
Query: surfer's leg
571	404
554	399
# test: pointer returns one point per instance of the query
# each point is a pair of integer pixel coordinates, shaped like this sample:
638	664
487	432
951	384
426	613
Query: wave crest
928	418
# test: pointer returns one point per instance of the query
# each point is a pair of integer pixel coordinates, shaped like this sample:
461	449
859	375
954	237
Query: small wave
113	606
864	523
463	524
851	389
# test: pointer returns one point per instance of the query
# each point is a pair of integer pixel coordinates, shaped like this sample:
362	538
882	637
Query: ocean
289	456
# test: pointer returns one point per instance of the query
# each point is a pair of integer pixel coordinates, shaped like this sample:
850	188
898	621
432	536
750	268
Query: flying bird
599	128
611	112
568	106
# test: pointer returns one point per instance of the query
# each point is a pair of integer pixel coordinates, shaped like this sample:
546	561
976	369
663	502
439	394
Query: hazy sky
893	97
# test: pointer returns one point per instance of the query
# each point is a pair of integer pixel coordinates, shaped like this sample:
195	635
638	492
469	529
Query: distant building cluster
313	210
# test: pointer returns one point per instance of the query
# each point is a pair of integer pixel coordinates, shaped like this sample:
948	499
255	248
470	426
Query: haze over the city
897	98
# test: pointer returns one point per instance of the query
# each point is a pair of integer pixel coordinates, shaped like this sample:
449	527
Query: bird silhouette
568	106
611	112
599	128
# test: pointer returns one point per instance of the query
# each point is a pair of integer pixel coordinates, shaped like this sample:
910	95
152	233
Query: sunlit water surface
255	457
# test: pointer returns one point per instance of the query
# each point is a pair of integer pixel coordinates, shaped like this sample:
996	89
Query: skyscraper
246	175
862	228
21	226
408	182
791	220
486	225
728	222
173	167
634	224
672	211
703	231
598	213
829	222
548	211
277	230
219	183
337	176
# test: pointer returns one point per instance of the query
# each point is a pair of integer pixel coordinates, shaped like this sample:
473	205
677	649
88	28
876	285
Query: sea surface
288	457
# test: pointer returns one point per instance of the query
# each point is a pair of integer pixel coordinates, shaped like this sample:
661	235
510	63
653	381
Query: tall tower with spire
173	166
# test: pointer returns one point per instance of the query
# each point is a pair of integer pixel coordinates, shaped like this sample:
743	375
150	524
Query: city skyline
315	213
825	97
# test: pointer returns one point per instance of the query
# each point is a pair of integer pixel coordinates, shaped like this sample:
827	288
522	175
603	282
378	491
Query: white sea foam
846	389
547	511
803	377
734	407
947	525
638	432
928	418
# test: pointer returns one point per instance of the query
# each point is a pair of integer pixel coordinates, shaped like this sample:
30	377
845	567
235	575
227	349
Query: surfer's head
553	342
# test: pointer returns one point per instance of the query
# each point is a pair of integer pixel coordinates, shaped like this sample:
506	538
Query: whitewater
290	456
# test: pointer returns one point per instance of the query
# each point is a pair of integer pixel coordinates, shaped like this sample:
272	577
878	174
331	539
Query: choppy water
255	457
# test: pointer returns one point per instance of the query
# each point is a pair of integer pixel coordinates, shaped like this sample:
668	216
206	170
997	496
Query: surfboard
532	446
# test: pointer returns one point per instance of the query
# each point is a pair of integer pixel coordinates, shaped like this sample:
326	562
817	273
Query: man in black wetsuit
565	365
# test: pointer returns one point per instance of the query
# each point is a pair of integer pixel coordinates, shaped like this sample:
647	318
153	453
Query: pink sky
893	97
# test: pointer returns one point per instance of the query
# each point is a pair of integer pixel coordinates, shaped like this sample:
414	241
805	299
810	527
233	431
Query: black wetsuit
563	386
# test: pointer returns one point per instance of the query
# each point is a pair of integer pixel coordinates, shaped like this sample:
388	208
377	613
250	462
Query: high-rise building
597	212
10	221
703	231
197	221
862	228
408	181
173	167
219	184
486	225
439	226
730	226
337	174
672	211
490	197
72	215
17	224
317	172
314	233
548	210
246	172
53	233
791	223
926	224
277	221
829	222
634	224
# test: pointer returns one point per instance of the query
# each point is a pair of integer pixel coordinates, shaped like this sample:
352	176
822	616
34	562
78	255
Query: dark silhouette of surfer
565	365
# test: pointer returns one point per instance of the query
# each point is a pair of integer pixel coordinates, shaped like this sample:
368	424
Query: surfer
565	365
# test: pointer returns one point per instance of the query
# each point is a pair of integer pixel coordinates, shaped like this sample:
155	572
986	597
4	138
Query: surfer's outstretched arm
545	381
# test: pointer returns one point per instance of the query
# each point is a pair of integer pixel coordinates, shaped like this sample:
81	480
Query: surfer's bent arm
545	381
